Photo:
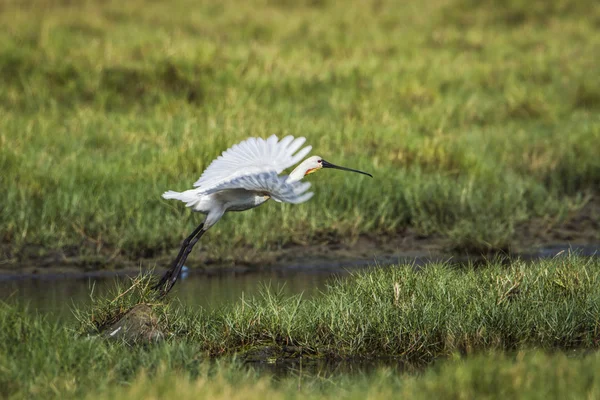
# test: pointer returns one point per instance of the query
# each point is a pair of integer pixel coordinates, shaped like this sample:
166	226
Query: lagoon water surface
56	295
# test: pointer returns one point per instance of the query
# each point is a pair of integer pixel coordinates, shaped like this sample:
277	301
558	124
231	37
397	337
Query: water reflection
57	296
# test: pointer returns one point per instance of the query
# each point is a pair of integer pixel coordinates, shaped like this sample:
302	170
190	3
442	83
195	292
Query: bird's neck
298	173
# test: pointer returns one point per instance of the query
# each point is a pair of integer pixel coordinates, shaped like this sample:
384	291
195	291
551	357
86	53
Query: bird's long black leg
173	273
185	243
172	278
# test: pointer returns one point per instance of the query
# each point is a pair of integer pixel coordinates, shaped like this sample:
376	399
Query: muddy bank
537	238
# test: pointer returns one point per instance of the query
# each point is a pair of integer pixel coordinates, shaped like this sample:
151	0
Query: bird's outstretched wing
271	184
252	157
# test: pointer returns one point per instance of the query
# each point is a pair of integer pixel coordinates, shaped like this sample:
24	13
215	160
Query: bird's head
315	163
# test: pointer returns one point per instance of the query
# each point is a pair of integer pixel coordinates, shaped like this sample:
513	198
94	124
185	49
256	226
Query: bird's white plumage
268	183
244	177
251	158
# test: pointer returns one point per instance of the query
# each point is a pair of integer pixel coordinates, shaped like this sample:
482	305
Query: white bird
243	177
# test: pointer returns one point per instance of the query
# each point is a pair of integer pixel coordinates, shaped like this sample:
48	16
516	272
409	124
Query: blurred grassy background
473	116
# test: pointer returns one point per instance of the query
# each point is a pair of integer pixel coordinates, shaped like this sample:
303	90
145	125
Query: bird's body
214	205
244	177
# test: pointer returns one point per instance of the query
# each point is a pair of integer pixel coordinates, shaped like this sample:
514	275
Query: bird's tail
170	195
189	197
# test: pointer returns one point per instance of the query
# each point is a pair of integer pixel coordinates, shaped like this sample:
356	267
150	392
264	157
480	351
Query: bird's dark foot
166	283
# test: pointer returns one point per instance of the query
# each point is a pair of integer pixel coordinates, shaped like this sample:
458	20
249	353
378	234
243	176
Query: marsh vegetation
474	325
398	311
479	120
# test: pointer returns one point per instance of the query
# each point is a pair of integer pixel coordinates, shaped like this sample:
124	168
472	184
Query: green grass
527	375
474	117
459	319
394	312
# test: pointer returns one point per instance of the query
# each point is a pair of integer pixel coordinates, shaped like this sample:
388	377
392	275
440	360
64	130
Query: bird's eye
320	161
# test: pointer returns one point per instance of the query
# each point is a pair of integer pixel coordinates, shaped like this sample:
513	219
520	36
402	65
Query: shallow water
57	295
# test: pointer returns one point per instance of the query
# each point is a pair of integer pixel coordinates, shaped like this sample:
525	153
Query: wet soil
539	237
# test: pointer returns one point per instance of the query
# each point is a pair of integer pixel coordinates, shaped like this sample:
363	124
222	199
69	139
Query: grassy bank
473	117
461	318
397	312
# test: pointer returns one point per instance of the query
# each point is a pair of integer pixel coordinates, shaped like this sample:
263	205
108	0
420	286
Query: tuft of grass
419	315
105	311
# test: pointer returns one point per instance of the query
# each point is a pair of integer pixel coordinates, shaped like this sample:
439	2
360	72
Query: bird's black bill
326	164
